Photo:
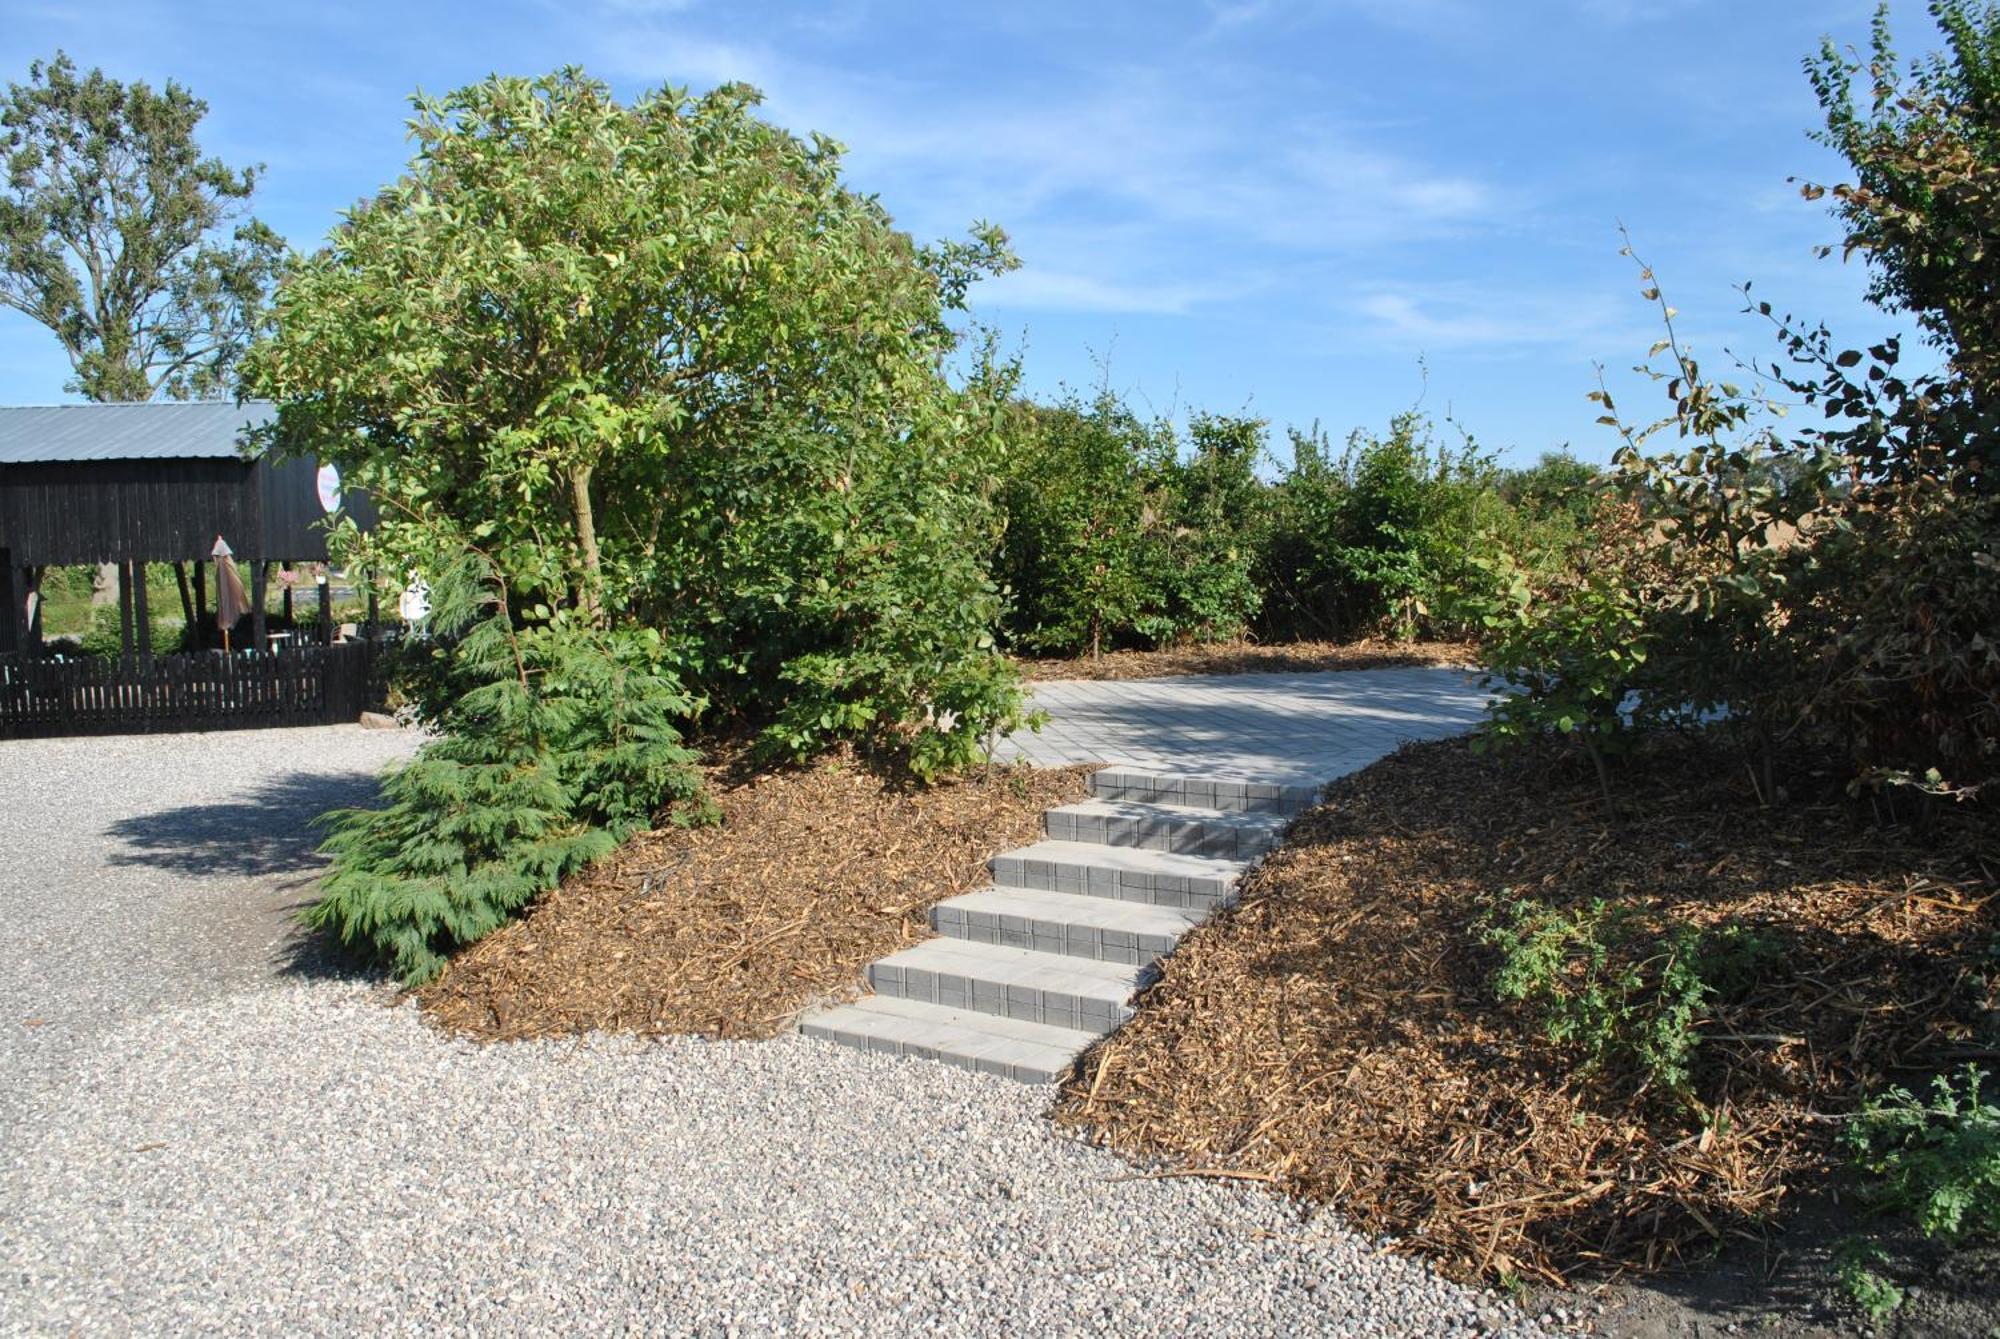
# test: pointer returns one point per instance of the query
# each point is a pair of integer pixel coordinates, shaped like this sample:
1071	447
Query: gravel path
203	1130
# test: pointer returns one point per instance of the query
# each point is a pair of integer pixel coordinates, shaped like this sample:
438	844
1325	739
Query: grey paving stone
1009	1047
1200	777
1132	873
1132	933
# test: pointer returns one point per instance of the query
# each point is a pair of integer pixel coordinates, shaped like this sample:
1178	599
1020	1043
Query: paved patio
1289	729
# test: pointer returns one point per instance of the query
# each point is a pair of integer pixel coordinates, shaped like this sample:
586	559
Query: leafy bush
1936	1160
1856	1266
1076	513
1623	988
1121	531
1566	650
664	368
105	637
1835	585
1118	532
565	744
1391	537
1556	489
1923	208
1200	549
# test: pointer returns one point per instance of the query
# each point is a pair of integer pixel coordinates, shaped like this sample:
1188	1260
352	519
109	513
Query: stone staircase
1027	973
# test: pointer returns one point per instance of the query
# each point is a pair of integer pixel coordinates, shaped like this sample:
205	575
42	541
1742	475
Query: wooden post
200	606
13	624
289	621
142	617
374	607
125	611
259	590
187	597
325	607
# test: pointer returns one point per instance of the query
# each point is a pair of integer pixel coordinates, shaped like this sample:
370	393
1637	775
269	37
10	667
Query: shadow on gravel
315	955
262	830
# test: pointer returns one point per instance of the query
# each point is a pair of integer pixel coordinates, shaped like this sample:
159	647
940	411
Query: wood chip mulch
1336	1032
733	930
1250	658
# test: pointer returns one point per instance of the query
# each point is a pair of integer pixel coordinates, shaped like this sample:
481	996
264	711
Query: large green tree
1924	205
664	369
120	237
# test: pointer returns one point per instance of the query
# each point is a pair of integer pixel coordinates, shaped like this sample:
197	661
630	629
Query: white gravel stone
198	1139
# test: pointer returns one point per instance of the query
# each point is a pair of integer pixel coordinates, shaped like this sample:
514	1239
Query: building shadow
266	832
268	829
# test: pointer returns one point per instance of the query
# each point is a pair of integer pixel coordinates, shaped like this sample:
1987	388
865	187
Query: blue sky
1280	206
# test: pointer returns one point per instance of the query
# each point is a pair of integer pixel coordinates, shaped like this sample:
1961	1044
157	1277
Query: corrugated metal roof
154	430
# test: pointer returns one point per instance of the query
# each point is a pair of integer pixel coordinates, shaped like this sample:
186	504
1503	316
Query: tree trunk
142	611
260	595
123	573
187	596
590	597
1603	774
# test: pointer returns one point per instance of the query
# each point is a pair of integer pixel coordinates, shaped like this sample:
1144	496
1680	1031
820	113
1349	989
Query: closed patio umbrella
231	600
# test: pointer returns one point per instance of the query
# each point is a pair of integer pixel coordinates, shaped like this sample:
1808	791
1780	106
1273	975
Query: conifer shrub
563	740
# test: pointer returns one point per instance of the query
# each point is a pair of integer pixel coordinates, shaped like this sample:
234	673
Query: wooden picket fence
298	685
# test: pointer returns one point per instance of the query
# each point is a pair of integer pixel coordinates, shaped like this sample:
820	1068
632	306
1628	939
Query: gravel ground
204	1129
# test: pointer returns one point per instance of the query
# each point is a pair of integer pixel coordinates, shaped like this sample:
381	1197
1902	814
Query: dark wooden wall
13	601
103	511
288	492
99	511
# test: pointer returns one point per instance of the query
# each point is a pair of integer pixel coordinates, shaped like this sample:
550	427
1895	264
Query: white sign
328	480
415	606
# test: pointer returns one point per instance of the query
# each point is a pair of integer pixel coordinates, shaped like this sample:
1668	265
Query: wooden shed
154	482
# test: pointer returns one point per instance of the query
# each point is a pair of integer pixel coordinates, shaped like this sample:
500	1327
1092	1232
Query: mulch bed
731	931
1250	658
1336	1033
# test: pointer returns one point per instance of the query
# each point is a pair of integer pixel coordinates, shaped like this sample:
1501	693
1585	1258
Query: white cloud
1136	147
1031	289
1174	162
1498	320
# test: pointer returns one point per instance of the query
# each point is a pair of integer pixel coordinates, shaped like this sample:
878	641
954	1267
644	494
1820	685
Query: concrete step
1103	928
1231	833
1128	873
1204	790
1047	988
988	1043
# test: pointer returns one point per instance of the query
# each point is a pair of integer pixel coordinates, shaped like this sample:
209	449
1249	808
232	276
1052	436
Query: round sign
328	482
